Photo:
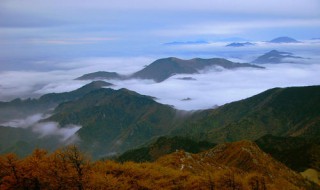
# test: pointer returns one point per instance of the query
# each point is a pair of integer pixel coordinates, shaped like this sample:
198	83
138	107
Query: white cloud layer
209	89
45	129
217	88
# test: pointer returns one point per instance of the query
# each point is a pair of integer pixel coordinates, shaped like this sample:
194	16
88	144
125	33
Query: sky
37	30
44	45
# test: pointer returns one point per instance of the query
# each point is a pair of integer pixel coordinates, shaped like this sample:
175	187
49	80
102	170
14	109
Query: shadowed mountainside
22	108
295	152
292	111
116	120
163	146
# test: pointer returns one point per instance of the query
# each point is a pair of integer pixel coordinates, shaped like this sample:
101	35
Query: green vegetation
115	120
163	146
293	111
22	108
297	153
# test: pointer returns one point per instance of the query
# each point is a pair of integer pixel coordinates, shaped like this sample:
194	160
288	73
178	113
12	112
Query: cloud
45	129
24	84
66	133
209	89
217	88
26	122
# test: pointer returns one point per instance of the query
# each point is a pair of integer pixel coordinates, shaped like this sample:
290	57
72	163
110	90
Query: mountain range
284	122
163	69
117	120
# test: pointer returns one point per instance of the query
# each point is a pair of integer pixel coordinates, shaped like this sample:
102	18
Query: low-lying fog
43	129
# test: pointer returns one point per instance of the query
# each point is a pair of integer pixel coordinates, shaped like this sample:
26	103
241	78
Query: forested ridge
68	168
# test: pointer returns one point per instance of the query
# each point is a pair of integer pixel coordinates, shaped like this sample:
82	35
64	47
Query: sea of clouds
210	88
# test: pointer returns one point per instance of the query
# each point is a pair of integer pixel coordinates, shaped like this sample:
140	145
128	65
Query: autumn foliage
68	168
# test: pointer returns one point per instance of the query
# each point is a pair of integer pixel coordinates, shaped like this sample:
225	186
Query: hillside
292	111
162	69
163	146
238	163
241	165
17	109
115	120
297	153
22	141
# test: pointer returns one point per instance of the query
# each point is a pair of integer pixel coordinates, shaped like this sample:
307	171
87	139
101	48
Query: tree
10	176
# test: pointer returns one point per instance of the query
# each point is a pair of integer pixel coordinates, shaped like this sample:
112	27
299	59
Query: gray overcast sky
58	29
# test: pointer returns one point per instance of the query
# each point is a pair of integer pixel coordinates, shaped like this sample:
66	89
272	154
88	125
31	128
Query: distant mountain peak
275	56
239	44
100	75
162	69
97	84
284	39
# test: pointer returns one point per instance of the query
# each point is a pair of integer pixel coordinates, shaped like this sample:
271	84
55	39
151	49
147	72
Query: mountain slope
163	146
115	120
162	69
290	111
22	108
240	166
238	162
295	152
22	141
